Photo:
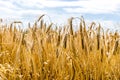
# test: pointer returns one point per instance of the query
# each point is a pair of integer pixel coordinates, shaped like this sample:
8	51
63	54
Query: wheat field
42	52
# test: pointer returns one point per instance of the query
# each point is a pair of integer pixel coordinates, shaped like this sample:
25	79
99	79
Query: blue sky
107	12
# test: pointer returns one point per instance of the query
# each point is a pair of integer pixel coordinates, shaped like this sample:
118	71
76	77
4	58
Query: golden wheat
42	53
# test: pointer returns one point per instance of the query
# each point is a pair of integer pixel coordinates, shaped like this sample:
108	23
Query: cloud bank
59	10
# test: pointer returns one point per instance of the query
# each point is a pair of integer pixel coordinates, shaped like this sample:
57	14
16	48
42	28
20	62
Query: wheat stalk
70	24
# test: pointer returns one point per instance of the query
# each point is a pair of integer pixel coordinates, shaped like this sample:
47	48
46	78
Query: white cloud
84	3
9	9
26	9
89	10
96	7
84	6
6	4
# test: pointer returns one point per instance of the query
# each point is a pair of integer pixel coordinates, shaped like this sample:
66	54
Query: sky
107	12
